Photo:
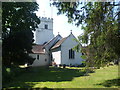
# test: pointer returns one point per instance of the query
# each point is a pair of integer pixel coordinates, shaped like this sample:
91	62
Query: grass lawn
66	78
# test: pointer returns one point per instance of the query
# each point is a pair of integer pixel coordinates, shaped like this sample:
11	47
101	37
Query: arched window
71	54
38	57
45	60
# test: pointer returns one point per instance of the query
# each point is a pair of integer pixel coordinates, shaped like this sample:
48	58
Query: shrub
83	64
60	65
64	65
6	75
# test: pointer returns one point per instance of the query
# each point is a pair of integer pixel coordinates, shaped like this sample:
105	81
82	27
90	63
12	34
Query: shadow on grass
35	75
110	83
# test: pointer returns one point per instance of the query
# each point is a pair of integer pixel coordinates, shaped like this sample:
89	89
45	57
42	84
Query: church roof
38	49
51	40
59	43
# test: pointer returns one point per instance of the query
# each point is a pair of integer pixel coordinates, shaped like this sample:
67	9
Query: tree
100	24
18	22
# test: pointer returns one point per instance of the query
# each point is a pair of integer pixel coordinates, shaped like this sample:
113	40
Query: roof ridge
52	39
59	42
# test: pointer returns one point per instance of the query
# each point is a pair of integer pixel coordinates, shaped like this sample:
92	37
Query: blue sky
60	23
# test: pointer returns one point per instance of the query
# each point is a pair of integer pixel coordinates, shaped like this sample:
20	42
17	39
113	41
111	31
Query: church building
50	48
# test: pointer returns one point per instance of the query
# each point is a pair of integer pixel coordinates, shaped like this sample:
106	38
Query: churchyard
69	77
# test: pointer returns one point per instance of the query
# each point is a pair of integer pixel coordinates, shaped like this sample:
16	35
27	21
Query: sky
60	23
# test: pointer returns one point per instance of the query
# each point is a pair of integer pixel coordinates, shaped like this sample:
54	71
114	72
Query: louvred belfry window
46	26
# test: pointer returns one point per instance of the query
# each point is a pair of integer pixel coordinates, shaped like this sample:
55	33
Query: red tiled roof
38	49
59	43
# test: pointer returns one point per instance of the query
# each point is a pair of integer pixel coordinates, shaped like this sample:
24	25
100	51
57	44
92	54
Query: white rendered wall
43	35
57	57
41	61
65	47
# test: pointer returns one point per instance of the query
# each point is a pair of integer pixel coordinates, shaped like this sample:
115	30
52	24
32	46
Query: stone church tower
44	32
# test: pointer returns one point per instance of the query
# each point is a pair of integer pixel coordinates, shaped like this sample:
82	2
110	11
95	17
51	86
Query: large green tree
18	21
100	22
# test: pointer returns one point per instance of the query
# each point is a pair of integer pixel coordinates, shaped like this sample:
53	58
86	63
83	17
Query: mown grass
66	78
